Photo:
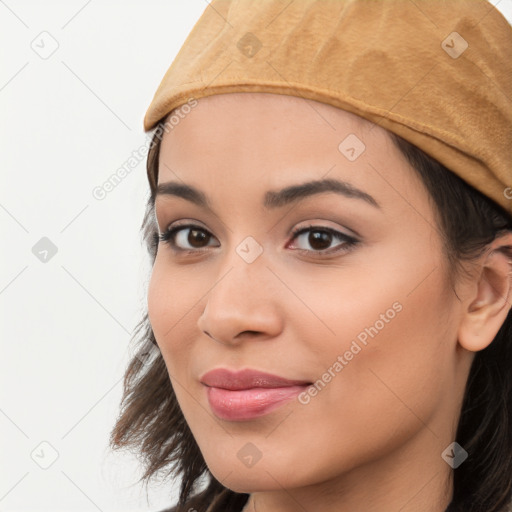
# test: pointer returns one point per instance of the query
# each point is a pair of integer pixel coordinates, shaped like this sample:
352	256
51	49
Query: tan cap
436	72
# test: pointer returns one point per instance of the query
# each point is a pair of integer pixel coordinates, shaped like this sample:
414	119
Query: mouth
248	394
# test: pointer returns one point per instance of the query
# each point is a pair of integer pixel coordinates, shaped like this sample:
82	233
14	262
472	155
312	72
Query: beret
438	73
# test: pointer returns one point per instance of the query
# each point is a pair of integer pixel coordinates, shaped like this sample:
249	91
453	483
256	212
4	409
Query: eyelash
167	237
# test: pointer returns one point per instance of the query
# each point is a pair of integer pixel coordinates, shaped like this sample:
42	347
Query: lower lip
247	404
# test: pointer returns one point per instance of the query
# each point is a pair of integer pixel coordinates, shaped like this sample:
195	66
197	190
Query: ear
490	299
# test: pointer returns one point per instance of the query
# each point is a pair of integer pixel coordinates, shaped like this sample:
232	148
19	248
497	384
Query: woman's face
358	304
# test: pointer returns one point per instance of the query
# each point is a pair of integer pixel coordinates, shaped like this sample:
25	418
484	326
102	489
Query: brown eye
186	237
196	237
190	238
320	238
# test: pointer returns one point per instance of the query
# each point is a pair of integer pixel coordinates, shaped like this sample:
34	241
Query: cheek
389	326
171	299
159	302
390	331
403	367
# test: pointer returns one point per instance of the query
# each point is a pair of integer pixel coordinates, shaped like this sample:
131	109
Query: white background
68	122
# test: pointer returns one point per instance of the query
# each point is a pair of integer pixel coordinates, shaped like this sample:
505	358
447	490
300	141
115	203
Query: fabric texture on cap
436	72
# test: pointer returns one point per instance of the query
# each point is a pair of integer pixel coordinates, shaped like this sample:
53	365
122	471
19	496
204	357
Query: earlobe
490	303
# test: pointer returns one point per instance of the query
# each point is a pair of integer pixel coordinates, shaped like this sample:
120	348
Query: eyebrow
273	198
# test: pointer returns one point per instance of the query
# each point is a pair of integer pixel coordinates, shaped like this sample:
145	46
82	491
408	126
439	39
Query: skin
374	435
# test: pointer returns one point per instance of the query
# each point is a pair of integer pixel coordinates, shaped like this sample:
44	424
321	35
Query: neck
407	479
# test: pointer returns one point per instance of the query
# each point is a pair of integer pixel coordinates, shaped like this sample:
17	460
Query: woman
330	227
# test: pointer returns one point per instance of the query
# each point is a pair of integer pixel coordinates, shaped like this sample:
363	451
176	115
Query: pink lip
248	394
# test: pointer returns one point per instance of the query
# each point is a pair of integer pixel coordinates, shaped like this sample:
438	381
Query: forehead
246	107
265	126
243	143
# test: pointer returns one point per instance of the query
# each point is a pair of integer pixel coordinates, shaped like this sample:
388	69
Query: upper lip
246	379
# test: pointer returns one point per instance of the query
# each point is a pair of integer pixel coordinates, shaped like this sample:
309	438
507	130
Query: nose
243	304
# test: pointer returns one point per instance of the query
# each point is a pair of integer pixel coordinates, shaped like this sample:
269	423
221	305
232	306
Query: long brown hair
151	422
